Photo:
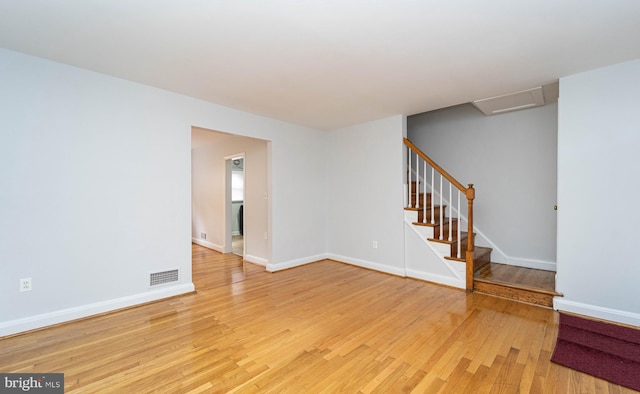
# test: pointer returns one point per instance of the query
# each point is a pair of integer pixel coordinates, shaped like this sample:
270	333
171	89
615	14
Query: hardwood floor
324	327
237	245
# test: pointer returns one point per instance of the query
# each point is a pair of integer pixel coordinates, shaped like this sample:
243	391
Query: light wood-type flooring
323	327
237	245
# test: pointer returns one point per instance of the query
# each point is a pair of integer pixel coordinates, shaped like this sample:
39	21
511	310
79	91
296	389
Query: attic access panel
511	102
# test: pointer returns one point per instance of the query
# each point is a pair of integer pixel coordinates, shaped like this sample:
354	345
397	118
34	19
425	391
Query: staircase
532	286
445	229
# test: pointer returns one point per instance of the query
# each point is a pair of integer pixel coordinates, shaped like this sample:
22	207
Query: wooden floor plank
322	327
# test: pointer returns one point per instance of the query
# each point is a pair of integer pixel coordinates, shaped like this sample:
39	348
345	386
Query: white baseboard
532	263
342	259
295	263
256	260
614	315
66	315
435	278
398	271
209	245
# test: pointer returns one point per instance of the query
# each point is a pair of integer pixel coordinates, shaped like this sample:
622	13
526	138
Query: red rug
604	350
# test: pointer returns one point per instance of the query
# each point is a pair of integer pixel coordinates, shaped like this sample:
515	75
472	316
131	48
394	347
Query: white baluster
459	226
450	215
417	180
433	195
424	196
409	177
441	213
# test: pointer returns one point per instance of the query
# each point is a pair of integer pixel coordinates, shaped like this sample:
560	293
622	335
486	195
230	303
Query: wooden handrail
470	194
435	165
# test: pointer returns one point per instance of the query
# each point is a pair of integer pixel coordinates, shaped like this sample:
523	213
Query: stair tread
420	208
518	277
453	241
445	223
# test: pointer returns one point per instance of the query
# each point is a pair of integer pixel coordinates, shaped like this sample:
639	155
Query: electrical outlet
203	235
25	284
375	244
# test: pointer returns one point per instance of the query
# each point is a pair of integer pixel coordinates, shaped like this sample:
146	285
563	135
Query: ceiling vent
511	102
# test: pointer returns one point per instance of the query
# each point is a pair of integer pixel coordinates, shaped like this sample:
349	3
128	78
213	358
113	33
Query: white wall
598	216
297	218
208	197
365	194
511	160
95	189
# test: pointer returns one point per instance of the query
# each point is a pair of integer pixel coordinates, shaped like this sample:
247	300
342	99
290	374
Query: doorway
236	203
214	218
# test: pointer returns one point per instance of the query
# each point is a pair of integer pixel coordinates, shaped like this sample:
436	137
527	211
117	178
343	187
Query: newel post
471	194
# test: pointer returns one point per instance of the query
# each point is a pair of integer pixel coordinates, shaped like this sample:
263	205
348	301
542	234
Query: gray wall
511	160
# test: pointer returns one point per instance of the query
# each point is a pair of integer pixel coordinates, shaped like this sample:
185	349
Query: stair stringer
425	259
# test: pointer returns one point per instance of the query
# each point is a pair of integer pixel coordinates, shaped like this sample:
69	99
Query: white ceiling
329	63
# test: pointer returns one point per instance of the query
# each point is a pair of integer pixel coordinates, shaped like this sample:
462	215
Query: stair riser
481	260
436	214
463	246
420	199
521	295
453	252
444	229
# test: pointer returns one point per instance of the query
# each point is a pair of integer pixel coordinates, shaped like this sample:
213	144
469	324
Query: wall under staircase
425	260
